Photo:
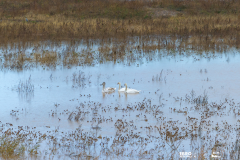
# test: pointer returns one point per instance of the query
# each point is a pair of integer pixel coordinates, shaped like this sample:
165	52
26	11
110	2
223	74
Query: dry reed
103	19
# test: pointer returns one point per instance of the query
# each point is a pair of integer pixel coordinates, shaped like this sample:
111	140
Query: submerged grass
11	147
145	141
118	50
26	87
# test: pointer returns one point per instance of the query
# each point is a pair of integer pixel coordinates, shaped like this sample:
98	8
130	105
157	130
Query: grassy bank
98	19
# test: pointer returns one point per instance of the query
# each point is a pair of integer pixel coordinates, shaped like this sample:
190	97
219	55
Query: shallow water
168	83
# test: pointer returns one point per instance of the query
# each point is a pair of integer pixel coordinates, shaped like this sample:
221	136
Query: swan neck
119	86
125	87
103	86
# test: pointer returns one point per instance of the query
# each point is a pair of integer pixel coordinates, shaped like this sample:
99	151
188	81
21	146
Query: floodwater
188	102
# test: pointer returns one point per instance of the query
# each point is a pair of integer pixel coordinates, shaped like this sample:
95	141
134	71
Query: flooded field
52	105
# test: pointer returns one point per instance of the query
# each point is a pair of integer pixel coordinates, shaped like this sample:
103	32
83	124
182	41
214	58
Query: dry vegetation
162	140
200	25
51	19
118	50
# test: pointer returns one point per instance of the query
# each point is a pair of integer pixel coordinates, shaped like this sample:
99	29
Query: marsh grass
89	28
47	58
34	150
26	87
118	50
199	100
11	147
113	18
78	143
79	79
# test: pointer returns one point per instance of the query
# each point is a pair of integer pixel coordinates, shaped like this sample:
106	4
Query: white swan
108	89
121	89
127	90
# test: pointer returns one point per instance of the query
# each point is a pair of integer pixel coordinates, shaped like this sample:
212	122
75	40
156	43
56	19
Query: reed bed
104	28
103	19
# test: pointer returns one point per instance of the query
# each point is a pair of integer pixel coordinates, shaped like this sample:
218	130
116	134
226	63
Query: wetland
183	56
53	106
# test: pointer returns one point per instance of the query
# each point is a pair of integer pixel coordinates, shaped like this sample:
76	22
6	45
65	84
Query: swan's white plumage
121	89
131	91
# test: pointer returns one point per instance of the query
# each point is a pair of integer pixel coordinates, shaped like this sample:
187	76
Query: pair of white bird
125	89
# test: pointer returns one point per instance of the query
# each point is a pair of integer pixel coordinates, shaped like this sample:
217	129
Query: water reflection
52	54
